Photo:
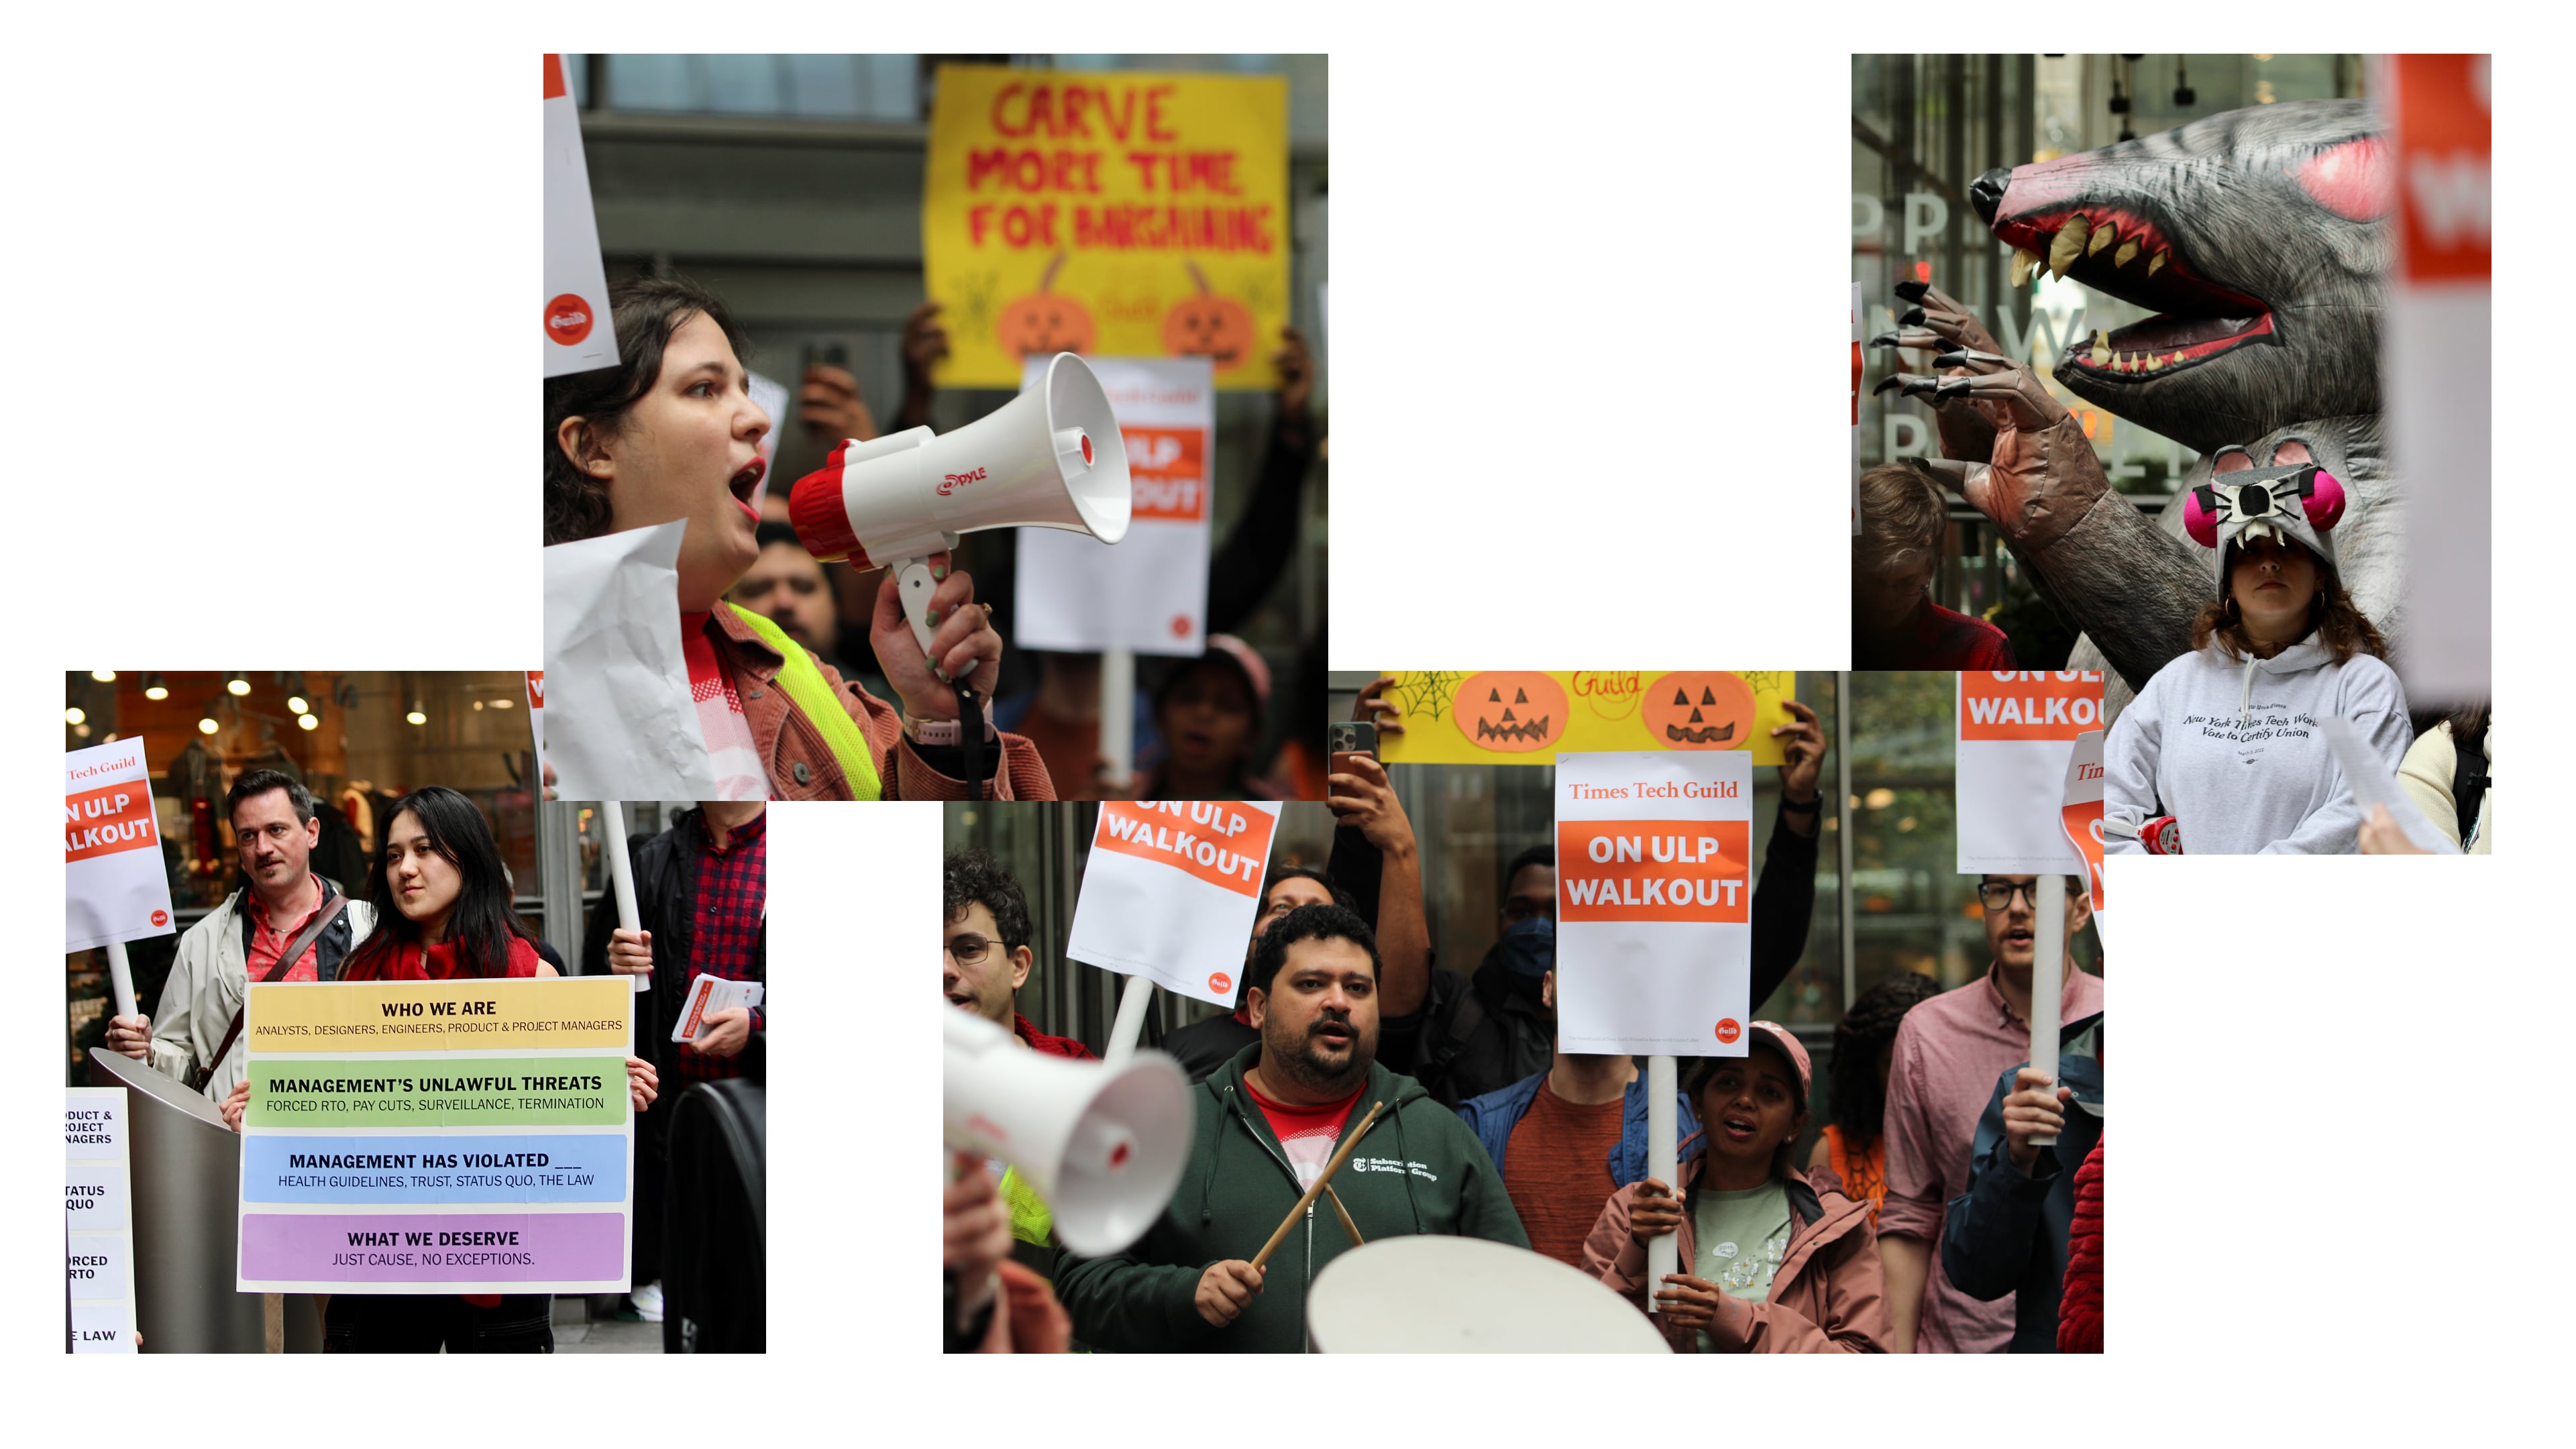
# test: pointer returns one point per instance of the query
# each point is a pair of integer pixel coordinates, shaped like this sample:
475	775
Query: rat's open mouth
2119	253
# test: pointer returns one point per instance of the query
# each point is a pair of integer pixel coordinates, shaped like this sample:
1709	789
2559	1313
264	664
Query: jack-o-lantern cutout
1207	325
1699	709
1043	323
1514	711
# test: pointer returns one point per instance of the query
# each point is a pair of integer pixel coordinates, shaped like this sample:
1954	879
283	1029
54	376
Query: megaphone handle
912	578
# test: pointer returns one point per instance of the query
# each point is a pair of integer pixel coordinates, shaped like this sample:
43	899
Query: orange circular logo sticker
1220	982
160	918
1180	626
567	319
1728	1031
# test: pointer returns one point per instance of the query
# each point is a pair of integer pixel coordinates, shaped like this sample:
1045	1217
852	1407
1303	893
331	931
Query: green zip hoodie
1419	1170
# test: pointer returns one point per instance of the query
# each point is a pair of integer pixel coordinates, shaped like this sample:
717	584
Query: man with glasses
1949	1052
1495	1031
985	955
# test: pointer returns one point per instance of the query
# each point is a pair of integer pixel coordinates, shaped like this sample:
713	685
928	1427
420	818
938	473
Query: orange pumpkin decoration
1700	709
1207	325
1043	323
1513	711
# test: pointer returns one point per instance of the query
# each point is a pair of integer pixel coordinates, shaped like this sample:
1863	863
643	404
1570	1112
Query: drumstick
1322	1180
1344	1214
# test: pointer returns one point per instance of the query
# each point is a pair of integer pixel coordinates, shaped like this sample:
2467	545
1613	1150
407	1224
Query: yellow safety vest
812	696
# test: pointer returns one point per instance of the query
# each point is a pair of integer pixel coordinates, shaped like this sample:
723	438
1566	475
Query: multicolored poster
1170	889
1109	213
2015	729
98	1221
1147	594
116	887
1525	717
437	1136
1654	903
579	335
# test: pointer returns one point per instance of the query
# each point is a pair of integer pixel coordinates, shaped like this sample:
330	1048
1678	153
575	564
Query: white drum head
1467	1295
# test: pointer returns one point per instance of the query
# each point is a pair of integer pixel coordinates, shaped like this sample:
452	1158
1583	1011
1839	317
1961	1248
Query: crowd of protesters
437	905
1930	1215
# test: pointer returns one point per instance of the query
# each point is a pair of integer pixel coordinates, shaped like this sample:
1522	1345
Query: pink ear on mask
2203	526
2325	503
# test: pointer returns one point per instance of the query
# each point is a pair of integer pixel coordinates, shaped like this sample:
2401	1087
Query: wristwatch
946	732
1803	806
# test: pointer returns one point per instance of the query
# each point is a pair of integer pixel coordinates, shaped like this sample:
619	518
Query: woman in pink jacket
1771	1262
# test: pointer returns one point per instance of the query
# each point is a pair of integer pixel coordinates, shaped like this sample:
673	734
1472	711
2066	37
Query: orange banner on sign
107	820
1654	870
1221	842
2029	704
2444	140
1168	468
554	77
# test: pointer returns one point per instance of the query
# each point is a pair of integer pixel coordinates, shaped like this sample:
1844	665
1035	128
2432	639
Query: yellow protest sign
1524	716
1112	213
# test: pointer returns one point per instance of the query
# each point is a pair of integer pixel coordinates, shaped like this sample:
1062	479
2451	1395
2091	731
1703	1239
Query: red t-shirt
1556	1171
1307	1134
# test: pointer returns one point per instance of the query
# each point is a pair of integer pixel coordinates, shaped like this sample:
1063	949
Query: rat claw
1907	383
1884	339
1951	387
1913	318
1913	291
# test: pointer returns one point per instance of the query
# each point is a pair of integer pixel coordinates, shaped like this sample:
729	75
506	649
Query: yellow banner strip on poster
1524	717
344	1018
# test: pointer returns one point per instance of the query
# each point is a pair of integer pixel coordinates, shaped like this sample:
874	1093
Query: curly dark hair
1852	1079
1341	895
647	311
2340	626
1536	855
1308	923
976	879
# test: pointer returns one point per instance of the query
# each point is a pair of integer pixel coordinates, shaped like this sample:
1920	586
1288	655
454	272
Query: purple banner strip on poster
431	1247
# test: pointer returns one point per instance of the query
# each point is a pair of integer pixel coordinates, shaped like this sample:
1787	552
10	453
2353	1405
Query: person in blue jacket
2007	1233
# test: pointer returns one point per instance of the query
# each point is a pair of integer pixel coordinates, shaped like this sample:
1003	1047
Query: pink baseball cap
1786	1041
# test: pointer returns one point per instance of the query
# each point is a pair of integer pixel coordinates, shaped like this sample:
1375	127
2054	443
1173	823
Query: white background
224	215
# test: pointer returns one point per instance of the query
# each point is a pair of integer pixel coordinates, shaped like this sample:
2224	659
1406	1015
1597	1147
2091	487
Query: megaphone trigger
912	578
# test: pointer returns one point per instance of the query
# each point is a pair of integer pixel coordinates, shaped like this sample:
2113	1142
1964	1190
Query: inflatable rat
2257	237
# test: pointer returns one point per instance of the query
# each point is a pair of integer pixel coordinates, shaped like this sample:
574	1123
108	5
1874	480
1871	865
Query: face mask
1529	947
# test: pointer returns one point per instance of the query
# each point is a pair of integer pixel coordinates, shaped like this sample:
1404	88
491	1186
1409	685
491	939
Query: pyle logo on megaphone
1050	458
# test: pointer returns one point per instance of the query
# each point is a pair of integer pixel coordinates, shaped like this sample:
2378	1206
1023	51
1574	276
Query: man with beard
1466	1037
1203	1046
1266	1126
1949	1052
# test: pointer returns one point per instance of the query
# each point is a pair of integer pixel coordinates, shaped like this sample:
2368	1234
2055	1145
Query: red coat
2079	1312
438	963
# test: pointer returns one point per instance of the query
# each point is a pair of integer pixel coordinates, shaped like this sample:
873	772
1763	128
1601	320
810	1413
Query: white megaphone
1103	1145
1050	458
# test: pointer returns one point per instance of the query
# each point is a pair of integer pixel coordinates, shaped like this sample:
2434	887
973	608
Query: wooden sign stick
1322	1181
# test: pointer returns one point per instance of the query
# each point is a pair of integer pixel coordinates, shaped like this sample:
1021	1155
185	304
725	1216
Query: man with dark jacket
1266	1125
701	900
2007	1233
1203	1046
1464	1037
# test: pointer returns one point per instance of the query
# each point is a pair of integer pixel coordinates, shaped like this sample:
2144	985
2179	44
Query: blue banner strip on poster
496	1168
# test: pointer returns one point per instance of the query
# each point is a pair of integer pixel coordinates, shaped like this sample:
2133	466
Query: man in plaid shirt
701	898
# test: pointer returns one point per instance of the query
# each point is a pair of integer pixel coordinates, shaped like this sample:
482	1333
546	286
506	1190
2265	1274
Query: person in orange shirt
1864	1050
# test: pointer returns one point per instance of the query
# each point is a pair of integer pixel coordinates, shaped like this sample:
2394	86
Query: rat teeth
2023	262
2127	253
2068	245
2101	348
2177	357
2103	236
2154	263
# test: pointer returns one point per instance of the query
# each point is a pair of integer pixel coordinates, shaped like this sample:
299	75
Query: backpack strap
2468	785
819	704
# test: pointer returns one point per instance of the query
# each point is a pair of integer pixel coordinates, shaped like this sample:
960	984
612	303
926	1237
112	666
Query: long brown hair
646	310
2340	626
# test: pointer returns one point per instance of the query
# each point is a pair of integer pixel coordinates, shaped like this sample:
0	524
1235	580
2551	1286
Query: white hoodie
2233	751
